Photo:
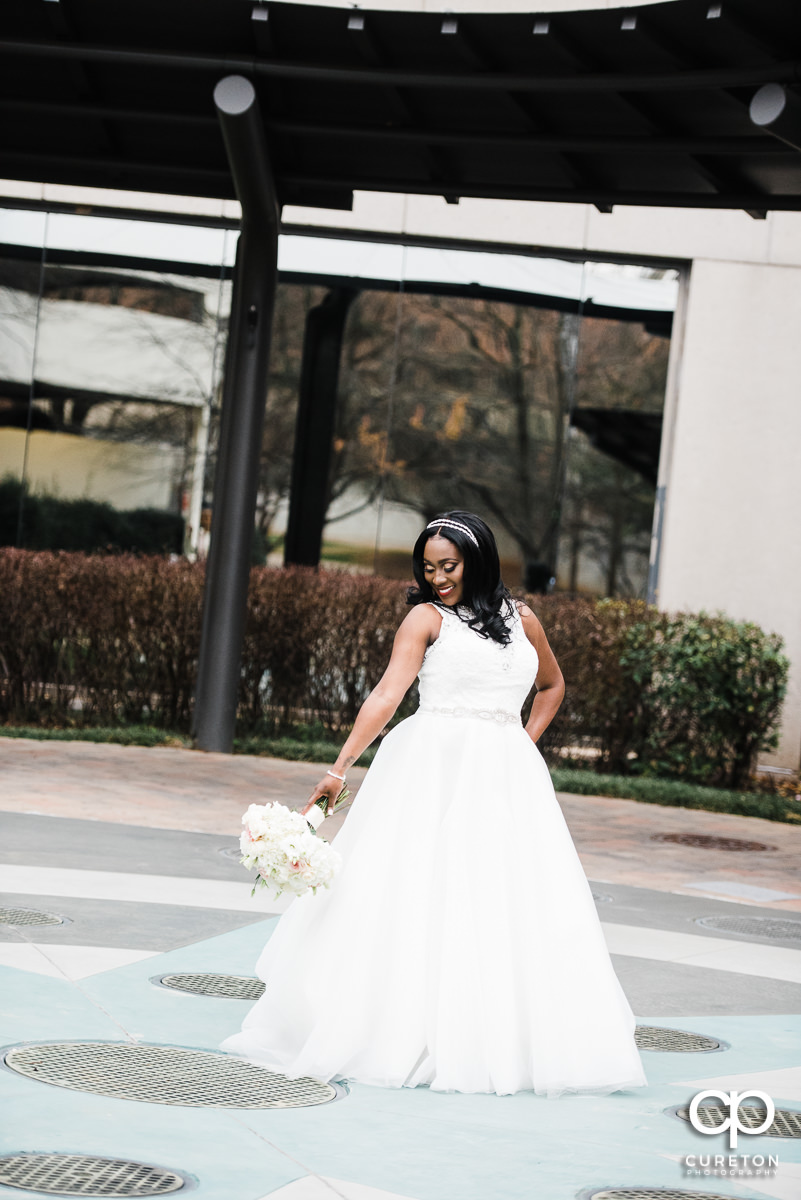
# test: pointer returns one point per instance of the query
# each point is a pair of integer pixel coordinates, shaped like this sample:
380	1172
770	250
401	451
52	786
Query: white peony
288	856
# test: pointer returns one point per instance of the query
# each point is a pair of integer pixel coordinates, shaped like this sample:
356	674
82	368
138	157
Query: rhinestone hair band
454	525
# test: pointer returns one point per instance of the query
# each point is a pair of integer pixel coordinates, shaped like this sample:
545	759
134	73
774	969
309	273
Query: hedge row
683	696
114	640
49	523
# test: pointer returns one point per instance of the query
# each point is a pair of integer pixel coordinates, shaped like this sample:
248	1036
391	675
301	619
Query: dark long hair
484	590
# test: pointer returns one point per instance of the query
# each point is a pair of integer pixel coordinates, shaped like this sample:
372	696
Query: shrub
317	643
709	694
97	639
601	699
105	640
90	525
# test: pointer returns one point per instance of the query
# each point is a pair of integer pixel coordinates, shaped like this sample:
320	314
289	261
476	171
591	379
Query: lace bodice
466	674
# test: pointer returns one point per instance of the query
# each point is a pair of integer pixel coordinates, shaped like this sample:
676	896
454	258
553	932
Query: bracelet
342	777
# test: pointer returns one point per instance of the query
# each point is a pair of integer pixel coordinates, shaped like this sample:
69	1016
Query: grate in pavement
28	916
710	841
657	1037
231	852
230	987
766	927
646	1193
86	1175
786	1121
165	1075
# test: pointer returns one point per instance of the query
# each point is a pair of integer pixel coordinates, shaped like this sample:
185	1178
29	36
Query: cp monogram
732	1122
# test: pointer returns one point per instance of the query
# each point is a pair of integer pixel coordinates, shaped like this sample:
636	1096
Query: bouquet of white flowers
284	849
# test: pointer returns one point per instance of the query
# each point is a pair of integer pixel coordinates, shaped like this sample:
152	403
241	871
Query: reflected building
466	379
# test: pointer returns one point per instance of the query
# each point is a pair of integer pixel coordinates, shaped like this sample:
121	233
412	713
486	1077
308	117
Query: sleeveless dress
459	945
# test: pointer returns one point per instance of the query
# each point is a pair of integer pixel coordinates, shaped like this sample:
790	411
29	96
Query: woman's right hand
328	786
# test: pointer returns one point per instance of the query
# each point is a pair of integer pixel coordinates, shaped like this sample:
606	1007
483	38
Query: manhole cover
232	987
85	1175
766	927
786	1121
709	842
231	852
654	1037
645	1193
165	1075
28	916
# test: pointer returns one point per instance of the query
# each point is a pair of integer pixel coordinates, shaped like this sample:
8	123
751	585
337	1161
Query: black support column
242	419
314	430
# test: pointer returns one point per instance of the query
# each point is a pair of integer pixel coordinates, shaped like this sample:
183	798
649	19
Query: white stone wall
731	530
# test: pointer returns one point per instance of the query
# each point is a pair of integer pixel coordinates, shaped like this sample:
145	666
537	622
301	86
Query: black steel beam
205	182
571	143
611	81
209	176
787	202
106	112
314	428
405	134
242	419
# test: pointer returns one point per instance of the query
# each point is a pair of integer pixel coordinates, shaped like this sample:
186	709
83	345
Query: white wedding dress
459	945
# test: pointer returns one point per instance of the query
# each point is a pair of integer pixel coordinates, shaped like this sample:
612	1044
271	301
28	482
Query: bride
459	946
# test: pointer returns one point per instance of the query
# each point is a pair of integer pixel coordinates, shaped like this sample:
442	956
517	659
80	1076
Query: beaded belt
501	715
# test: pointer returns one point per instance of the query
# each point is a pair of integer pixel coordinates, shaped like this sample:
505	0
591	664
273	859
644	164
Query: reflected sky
610	284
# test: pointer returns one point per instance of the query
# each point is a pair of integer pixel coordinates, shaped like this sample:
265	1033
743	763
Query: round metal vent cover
655	1037
231	852
229	987
786	1121
85	1175
165	1075
710	841
29	916
766	927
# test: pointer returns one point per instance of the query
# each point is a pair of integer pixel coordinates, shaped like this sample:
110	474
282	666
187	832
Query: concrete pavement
133	847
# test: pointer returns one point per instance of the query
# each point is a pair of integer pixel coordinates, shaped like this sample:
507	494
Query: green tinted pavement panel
228	1160
35	1007
413	1142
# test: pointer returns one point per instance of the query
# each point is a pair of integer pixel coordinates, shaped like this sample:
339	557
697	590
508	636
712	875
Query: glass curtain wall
544	420
520	388
613	454
109	375
21	269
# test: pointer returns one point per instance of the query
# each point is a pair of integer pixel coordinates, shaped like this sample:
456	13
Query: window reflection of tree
481	398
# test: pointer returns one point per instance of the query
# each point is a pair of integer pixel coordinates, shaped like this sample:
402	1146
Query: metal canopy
646	106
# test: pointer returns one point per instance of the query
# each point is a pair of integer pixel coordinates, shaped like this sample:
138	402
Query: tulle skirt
459	946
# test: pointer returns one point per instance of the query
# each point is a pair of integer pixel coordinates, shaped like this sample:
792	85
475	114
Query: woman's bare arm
415	633
550	682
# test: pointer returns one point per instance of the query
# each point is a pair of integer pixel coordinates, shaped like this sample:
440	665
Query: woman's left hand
328	786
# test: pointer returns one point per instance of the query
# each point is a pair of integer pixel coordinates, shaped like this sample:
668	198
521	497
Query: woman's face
443	566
